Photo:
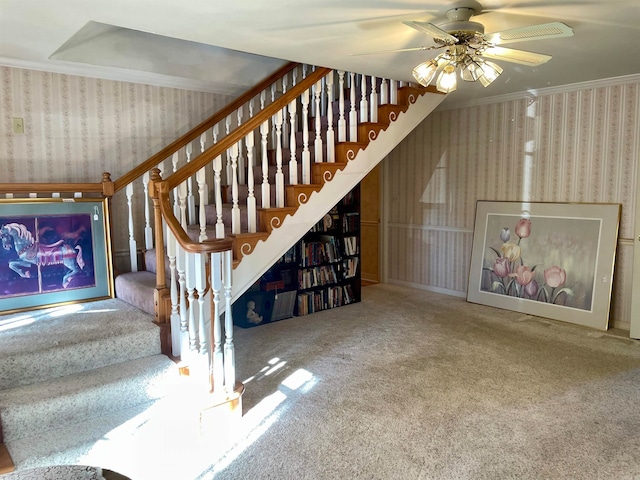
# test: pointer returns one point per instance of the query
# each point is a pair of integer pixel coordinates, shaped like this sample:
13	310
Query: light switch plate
18	125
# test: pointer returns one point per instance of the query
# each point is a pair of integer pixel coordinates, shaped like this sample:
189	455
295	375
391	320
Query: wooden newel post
162	295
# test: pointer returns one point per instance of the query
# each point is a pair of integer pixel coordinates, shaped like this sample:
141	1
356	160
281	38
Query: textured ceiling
227	46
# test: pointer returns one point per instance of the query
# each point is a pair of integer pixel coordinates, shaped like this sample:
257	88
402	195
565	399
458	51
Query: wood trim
166	152
51	187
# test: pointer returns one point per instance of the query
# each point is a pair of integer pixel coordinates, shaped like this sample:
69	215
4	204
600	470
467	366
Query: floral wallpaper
579	145
75	128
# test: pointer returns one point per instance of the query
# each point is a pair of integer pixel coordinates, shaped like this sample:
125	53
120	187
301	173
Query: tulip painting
536	259
552	260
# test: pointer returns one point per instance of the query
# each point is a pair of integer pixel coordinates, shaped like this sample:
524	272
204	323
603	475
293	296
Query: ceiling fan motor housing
459	22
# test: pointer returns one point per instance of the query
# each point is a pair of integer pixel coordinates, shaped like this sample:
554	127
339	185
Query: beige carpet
407	384
414	385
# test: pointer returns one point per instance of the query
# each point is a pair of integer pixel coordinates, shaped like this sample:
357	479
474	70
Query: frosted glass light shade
447	82
491	71
425	72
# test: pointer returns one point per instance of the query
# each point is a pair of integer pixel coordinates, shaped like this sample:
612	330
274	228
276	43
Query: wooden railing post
162	295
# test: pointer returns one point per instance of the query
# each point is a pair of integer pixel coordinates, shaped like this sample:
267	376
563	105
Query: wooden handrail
161	192
104	188
166	152
240	132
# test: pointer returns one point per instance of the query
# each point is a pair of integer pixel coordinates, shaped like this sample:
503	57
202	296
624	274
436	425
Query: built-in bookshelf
329	274
319	272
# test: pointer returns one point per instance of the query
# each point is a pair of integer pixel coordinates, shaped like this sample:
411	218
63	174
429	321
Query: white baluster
191	317
174	163
279	173
251	198
384	93
251	107
215	132
342	123
56	195
364	104
191	201
263	98
173	288
148	231
203	195
182	299
235	209
393	97
306	155
353	114
331	142
202	214
182	203
241	160
317	93
229	349
266	188
217	369
133	246
373	101
293	163
200	284
217	182
294	77
228	167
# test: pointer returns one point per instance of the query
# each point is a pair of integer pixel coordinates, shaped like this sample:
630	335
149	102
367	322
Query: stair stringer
294	227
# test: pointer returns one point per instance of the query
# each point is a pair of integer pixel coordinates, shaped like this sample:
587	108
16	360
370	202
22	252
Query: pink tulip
501	267
531	289
524	275
523	228
555	276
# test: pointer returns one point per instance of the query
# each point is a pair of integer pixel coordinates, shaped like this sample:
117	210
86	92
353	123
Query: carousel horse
31	252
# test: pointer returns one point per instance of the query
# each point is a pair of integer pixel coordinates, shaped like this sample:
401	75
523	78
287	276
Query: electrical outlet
18	125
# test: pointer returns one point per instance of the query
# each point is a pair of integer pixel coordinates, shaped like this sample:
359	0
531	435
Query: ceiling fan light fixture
471	69
447	82
491	71
425	72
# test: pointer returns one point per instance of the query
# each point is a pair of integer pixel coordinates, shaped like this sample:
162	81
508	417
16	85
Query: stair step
131	441
32	409
119	333
136	288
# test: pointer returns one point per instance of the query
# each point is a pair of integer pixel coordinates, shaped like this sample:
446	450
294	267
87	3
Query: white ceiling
226	46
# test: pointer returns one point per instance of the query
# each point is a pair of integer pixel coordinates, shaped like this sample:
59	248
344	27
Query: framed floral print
552	260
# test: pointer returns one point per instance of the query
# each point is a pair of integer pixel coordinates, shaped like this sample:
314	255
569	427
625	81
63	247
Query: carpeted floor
414	385
410	384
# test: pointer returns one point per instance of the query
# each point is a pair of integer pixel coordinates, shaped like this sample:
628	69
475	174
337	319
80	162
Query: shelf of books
329	274
321	271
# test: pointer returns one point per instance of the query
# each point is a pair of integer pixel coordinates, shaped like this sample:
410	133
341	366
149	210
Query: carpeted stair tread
88	442
32	409
145	434
110	331
137	289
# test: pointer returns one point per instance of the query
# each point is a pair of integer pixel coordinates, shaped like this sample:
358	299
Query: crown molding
534	93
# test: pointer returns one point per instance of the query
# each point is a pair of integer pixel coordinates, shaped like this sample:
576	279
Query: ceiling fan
466	48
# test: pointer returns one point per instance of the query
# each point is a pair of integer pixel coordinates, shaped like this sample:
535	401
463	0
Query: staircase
300	158
234	195
73	374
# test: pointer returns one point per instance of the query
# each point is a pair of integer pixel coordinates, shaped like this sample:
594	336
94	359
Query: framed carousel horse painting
52	252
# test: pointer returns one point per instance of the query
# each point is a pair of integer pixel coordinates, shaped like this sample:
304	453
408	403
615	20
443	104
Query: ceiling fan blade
432	30
522	57
410	49
533	32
